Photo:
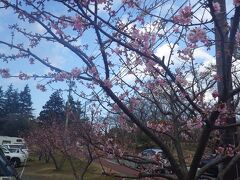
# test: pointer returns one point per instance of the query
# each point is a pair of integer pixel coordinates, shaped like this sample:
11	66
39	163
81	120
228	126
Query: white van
11	140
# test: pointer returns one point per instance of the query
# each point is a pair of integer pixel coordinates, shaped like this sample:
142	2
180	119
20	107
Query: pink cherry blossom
93	70
41	87
108	83
217	7
78	24
215	94
115	108
220	150
23	76
62	76
236	2
230	150
31	61
5	73
195	123
76	72
197	34
176	30
181	80
184	16
161	126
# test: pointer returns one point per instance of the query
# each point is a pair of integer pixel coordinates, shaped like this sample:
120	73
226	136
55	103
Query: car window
13	150
145	152
6	142
151	152
148	152
19	140
15	146
18	146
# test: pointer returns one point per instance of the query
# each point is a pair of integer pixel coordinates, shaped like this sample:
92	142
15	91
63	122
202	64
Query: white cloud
38	28
205	57
165	50
129	78
202	14
57	57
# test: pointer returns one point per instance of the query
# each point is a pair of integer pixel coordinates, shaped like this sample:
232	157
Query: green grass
39	170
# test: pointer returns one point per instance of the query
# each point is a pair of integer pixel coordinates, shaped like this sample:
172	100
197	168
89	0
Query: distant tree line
15	110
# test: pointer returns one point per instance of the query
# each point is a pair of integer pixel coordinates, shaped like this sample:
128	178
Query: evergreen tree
75	110
12	102
25	103
54	109
15	111
2	103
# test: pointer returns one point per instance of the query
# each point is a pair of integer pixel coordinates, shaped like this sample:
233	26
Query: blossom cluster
4	73
217	7
112	149
41	87
236	2
23	76
142	40
194	123
161	126
228	150
238	38
184	16
197	34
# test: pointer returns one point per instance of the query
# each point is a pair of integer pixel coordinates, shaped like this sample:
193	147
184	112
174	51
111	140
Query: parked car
15	156
6	170
23	147
151	152
157	154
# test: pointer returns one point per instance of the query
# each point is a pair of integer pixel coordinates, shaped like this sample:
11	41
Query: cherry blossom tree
180	57
60	145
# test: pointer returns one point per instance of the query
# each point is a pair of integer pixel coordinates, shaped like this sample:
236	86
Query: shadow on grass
38	170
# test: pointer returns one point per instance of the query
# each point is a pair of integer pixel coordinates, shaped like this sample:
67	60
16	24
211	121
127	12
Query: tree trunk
224	65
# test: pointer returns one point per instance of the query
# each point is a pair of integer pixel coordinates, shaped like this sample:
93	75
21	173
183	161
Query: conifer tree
25	103
54	109
2	110
11	102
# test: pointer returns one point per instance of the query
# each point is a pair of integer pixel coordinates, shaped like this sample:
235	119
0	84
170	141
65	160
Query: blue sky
58	55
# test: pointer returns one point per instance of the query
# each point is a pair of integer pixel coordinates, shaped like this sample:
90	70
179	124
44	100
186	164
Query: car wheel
15	162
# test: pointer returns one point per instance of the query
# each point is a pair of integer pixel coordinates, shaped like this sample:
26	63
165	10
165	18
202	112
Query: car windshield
17	146
148	152
15	150
151	152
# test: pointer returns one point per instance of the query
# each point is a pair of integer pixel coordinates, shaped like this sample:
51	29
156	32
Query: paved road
117	167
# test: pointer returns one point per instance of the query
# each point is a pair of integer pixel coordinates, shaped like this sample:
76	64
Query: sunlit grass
40	170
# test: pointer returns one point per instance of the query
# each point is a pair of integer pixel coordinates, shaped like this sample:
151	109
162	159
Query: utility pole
68	108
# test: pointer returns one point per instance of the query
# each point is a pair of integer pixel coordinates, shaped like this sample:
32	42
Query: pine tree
25	103
2	103
12	102
54	109
75	110
14	105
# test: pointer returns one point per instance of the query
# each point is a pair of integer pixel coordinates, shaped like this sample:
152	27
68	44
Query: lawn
39	170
